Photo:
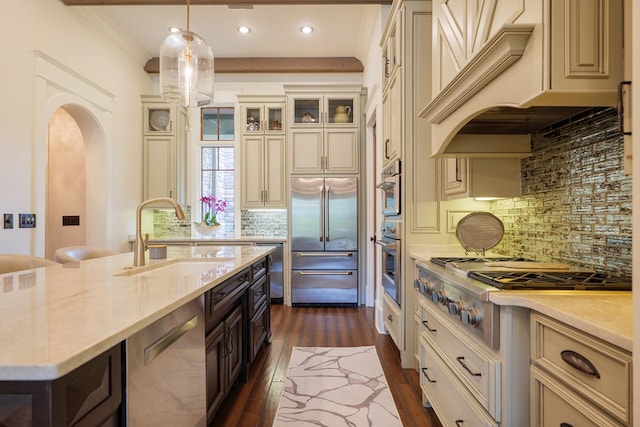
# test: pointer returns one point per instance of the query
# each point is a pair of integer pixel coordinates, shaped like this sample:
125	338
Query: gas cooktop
558	280
444	261
474	268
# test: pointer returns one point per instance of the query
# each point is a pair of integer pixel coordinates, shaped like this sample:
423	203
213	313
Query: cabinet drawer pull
565	425
579	362
459	422
390	318
426	325
460	360
424	372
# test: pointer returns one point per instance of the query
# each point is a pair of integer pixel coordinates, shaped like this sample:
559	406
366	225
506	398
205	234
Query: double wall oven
390	229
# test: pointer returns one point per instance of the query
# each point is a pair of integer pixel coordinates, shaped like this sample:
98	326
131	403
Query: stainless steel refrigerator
324	241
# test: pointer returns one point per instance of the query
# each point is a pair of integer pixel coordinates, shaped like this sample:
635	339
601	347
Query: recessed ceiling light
307	29
244	30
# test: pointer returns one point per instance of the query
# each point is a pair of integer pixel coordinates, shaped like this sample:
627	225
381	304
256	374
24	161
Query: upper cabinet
307	110
323	131
480	178
164	149
263	173
624	94
262	116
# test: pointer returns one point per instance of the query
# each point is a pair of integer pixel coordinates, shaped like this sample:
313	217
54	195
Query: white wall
54	30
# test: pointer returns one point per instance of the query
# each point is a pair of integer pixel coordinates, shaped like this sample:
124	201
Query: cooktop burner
548	280
443	261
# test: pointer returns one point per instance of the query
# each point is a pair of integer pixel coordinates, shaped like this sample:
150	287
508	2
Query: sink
179	268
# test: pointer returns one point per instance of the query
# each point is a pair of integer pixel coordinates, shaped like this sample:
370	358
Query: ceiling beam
231	3
277	65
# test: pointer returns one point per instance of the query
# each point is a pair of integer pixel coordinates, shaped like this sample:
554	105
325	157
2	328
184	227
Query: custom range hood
490	95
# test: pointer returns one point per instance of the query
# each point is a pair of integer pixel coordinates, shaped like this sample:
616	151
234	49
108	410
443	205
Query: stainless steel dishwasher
165	365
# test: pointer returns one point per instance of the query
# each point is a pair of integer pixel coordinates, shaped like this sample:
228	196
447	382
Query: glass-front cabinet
263	118
323	110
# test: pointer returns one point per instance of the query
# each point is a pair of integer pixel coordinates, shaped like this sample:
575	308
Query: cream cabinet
263	172
164	149
323	129
263	147
577	379
391	120
393	320
624	92
464	177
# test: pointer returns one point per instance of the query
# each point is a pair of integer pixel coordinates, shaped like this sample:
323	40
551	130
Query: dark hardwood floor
254	404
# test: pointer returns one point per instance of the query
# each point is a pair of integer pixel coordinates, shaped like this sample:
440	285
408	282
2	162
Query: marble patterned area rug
335	387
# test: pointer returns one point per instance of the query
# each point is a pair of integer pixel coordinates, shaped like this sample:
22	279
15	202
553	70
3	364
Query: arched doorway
76	168
85	108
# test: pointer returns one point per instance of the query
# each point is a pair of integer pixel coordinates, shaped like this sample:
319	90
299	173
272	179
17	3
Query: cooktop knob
470	316
439	296
455	307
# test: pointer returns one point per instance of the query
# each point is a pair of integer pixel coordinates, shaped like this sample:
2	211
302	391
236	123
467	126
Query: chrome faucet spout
141	246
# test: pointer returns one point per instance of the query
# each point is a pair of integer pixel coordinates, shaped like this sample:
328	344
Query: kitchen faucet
141	244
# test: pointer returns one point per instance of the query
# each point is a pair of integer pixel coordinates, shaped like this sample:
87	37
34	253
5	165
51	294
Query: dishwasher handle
164	342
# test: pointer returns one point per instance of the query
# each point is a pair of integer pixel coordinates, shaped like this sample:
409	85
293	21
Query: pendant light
186	68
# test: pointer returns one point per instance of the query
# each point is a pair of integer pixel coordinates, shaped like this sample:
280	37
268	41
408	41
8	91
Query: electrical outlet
8	220
27	220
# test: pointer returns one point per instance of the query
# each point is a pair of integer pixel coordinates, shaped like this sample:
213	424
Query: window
217	124
217	160
218	179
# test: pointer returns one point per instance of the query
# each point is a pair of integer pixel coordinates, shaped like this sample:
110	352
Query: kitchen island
60	318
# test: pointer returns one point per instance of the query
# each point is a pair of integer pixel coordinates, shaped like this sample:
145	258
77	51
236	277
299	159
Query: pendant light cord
188	14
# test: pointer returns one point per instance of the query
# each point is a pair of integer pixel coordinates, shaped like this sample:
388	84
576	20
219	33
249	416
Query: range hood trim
490	146
498	54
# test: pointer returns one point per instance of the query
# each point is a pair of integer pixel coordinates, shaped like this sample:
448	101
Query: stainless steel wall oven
390	186
391	260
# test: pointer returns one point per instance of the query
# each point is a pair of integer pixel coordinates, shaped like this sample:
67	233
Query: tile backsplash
576	200
253	224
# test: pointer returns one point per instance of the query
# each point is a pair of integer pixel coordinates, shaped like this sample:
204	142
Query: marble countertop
56	318
606	315
217	239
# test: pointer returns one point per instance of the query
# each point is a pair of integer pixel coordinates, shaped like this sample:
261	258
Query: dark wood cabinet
237	325
226	310
259	308
225	358
90	395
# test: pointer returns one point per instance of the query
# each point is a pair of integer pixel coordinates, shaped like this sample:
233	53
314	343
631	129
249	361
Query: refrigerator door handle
321	222
325	273
327	216
323	254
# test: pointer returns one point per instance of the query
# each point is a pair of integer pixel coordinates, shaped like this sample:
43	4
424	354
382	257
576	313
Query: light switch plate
8	220
27	220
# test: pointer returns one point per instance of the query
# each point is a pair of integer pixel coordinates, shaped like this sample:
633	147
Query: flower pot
206	230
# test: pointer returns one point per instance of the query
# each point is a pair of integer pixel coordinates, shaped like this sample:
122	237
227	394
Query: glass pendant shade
186	70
